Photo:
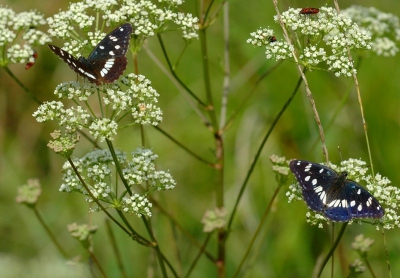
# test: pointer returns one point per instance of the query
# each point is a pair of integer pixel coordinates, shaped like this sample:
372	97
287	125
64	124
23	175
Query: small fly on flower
30	64
308	11
272	39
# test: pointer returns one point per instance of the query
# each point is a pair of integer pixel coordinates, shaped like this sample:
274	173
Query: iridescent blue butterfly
106	62
332	194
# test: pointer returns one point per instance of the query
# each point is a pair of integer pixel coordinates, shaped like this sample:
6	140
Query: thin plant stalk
227	70
160	256
333	248
184	147
171	68
27	91
196	260
386	252
260	148
308	91
258	230
97	263
114	246
49	233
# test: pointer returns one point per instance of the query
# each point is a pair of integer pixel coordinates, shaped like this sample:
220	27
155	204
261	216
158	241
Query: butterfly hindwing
329	192
107	60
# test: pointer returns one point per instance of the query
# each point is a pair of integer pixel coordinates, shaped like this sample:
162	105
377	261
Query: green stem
369	267
263	219
184	147
114	246
49	233
29	93
118	166
171	68
386	251
201	251
333	248
206	76
94	198
97	263
185	232
248	96
135	235
242	189
157	248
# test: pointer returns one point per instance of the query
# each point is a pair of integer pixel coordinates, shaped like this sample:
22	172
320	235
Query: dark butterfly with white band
107	60
332	194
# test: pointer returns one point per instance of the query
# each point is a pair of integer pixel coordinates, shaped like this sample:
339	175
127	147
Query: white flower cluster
214	219
320	39
19	36
387	195
133	95
280	168
97	169
139	99
103	129
72	118
384	28
261	37
141	169
146	18
137	204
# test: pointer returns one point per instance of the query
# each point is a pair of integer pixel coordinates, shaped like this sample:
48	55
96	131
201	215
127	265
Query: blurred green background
289	247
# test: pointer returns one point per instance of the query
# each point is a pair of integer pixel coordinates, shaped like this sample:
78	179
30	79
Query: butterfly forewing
107	60
326	191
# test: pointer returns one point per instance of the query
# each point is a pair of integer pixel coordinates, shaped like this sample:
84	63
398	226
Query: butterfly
107	60
331	193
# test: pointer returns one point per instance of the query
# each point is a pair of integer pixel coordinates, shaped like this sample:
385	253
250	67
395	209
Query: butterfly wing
315	181
361	203
108	57
106	62
79	66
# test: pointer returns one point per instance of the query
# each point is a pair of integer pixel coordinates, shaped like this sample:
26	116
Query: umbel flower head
320	41
19	36
383	27
29	193
146	17
97	169
133	95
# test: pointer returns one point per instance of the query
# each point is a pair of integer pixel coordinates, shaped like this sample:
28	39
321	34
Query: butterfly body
106	62
332	194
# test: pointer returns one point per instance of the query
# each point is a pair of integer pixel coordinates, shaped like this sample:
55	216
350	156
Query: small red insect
309	11
272	39
30	64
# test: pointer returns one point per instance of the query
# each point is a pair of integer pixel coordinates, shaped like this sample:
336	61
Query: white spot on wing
352	203
101	47
307	178
369	201
314	182
111	53
117	46
103	72
323	197
359	191
322	169
359	208
318	189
